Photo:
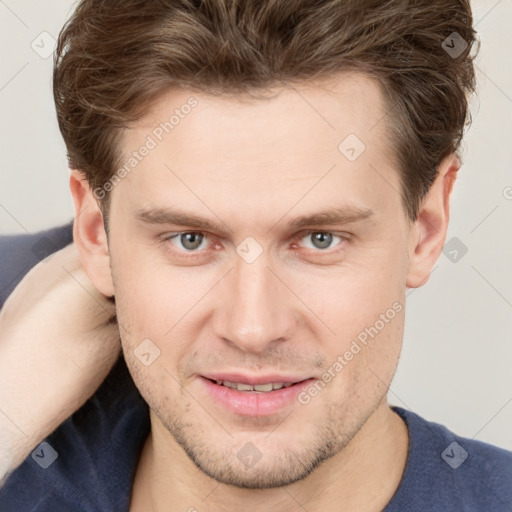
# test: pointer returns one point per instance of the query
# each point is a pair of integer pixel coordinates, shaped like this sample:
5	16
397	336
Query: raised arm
58	341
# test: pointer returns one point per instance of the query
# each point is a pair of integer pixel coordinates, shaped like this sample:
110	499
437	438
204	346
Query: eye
321	239
190	241
194	244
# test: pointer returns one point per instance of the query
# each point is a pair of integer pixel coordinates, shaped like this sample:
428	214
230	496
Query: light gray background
456	365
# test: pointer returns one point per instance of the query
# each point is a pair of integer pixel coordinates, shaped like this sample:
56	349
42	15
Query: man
256	185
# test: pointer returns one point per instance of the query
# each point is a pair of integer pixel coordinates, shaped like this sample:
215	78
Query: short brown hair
114	58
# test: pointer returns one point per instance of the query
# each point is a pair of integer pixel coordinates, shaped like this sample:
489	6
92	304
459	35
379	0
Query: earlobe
89	234
428	234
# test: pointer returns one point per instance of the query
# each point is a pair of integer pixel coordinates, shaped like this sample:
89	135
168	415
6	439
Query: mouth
254	399
256	388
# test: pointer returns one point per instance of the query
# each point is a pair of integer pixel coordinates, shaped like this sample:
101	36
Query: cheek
365	309
154	302
145	294
352	297
146	314
362	365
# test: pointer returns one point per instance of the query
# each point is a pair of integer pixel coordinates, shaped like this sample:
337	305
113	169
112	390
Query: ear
428	234
89	234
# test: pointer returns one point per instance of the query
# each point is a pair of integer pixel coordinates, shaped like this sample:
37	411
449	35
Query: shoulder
452	472
88	463
19	253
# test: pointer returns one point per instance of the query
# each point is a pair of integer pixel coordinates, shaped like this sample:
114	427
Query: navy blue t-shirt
88	463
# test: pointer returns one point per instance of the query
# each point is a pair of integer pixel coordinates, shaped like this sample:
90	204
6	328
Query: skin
67	359
253	166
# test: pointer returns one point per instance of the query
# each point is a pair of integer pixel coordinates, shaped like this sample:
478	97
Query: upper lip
253	380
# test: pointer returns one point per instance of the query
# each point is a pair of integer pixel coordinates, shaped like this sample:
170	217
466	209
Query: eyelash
199	253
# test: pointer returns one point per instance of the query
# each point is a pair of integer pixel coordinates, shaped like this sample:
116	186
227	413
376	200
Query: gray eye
191	241
321	240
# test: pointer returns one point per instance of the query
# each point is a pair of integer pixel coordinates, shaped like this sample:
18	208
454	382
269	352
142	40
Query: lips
253	380
246	400
259	388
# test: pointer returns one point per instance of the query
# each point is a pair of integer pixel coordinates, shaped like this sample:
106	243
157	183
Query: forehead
245	150
330	108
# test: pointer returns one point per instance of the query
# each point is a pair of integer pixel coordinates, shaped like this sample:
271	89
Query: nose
255	310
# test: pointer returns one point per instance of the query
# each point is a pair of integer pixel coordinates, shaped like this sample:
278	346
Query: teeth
244	387
262	388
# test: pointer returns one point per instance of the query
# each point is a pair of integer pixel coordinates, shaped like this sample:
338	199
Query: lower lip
250	403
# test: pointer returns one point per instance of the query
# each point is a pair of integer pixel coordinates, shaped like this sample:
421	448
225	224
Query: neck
363	476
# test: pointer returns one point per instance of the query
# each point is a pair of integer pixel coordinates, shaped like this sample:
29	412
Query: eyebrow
341	215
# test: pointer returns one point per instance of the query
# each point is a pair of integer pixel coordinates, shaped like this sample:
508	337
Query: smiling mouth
257	388
257	396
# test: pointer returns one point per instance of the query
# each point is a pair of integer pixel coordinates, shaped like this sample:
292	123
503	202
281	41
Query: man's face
255	295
